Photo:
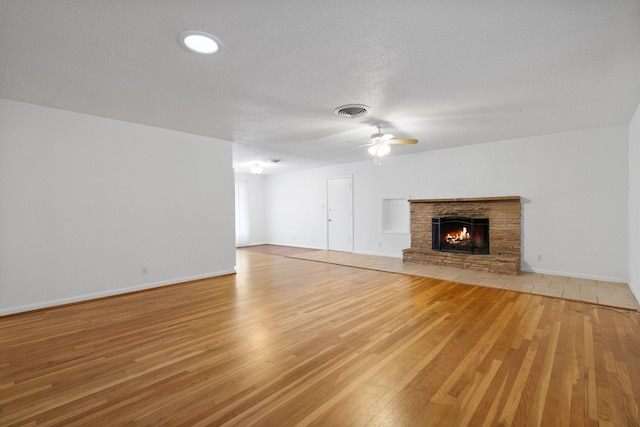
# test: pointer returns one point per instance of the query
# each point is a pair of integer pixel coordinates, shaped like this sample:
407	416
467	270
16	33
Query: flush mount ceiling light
256	169
199	42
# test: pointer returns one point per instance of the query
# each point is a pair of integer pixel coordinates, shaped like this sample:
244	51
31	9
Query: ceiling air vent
351	111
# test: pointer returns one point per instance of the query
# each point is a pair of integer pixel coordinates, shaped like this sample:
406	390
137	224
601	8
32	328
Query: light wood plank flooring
290	342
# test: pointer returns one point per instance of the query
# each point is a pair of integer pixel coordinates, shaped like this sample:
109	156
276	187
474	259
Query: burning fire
459	236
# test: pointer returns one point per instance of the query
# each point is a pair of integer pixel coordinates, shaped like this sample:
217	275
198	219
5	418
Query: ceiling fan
380	143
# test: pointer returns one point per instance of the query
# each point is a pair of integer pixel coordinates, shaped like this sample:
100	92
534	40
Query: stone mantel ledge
469	199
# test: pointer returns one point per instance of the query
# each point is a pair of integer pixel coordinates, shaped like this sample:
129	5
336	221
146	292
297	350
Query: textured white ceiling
447	73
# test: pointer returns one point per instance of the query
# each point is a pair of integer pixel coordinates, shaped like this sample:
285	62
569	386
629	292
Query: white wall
256	220
87	202
295	208
574	187
634	204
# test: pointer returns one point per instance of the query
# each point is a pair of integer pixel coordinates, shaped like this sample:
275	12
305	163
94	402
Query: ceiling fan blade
402	141
362	143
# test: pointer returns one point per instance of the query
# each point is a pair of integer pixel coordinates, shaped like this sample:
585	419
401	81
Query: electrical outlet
144	270
539	257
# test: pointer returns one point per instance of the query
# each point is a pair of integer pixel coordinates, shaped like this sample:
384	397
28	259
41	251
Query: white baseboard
251	244
297	246
86	297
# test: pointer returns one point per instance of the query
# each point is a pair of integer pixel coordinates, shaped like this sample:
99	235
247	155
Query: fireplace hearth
460	234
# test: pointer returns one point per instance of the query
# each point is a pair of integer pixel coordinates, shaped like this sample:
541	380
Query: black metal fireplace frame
471	223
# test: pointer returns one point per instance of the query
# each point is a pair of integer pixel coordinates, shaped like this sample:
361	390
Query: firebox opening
460	234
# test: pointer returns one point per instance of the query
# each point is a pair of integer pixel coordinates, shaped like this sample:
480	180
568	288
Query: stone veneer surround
504	215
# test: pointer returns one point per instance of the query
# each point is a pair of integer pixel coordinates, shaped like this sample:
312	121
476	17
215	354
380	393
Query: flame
459	236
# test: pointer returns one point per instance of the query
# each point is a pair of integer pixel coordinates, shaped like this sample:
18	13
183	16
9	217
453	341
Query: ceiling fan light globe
383	150
379	150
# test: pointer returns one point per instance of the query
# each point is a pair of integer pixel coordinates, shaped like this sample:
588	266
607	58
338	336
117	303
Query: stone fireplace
476	233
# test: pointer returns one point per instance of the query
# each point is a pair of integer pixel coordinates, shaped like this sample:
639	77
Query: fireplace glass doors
460	234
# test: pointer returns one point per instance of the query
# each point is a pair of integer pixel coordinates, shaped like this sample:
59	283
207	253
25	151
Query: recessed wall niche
395	215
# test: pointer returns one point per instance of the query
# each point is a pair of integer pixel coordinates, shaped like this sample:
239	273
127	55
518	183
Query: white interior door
340	215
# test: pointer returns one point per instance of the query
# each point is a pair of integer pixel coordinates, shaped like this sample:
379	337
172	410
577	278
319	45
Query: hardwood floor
289	342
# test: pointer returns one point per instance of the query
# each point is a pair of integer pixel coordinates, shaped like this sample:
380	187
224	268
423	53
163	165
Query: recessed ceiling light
200	42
